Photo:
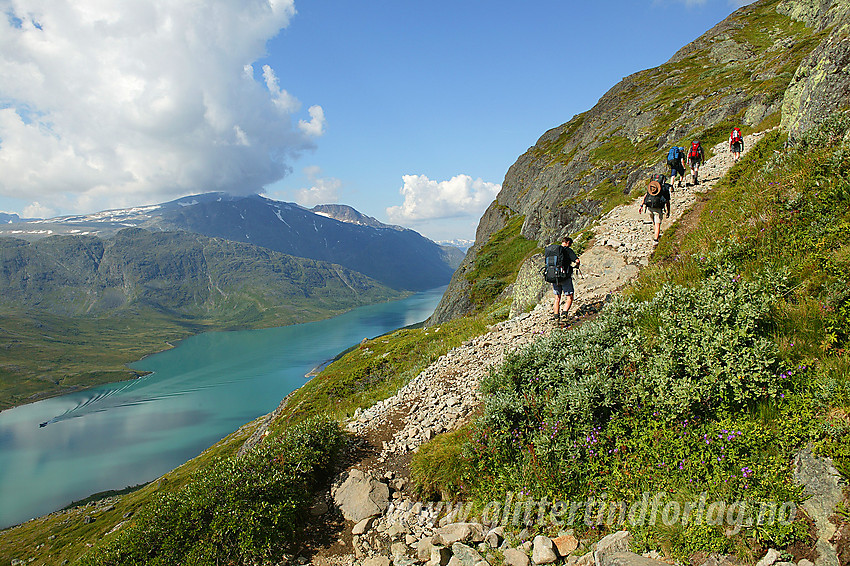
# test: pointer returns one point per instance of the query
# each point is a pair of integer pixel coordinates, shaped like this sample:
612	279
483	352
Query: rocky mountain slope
773	61
397	257
9	218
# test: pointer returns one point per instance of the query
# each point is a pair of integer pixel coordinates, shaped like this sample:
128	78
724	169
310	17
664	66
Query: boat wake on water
104	400
108	399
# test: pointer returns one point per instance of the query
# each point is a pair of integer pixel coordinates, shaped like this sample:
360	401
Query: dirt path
623	238
445	395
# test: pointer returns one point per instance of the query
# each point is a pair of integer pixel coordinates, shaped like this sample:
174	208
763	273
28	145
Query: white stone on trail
361	496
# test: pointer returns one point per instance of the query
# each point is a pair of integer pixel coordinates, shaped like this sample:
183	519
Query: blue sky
409	111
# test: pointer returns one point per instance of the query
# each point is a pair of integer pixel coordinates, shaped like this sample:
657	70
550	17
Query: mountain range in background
460	243
397	257
179	273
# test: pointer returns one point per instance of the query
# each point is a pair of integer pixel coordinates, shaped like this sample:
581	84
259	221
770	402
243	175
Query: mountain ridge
169	271
398	257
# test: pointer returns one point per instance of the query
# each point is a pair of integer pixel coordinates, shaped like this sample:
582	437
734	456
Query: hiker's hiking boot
556	321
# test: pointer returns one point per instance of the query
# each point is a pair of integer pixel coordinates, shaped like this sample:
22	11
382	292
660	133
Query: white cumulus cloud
37	210
425	199
282	99
322	190
113	103
316	126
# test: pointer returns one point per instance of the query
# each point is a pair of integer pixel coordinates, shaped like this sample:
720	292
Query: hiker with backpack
695	157
559	260
736	143
676	162
656	200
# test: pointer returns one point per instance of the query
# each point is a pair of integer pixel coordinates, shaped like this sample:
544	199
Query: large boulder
460	532
529	287
565	544
544	550
515	557
361	496
611	544
495	537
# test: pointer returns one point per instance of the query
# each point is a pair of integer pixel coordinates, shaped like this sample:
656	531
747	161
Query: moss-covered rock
529	287
821	83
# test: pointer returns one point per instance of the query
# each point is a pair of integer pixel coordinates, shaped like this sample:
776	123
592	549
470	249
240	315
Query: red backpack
736	136
696	150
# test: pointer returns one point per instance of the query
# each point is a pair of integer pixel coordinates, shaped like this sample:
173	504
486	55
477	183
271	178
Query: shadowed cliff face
773	61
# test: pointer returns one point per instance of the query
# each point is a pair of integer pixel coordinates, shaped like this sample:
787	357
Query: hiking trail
445	395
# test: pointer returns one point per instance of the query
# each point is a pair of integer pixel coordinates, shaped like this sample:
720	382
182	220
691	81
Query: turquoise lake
109	437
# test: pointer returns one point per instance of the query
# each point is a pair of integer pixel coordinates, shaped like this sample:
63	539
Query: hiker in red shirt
695	157
736	143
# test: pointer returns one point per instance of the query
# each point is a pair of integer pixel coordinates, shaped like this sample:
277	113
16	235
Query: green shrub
688	352
239	510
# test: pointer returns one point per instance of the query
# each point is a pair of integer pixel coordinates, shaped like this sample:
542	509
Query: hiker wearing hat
657	199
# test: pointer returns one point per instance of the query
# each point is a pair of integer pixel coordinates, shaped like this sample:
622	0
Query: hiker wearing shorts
676	162
695	157
736	143
564	287
656	201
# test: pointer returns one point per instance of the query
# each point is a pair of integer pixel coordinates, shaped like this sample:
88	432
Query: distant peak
345	213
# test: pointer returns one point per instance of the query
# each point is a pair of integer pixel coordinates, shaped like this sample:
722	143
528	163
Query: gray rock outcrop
821	84
611	544
822	483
